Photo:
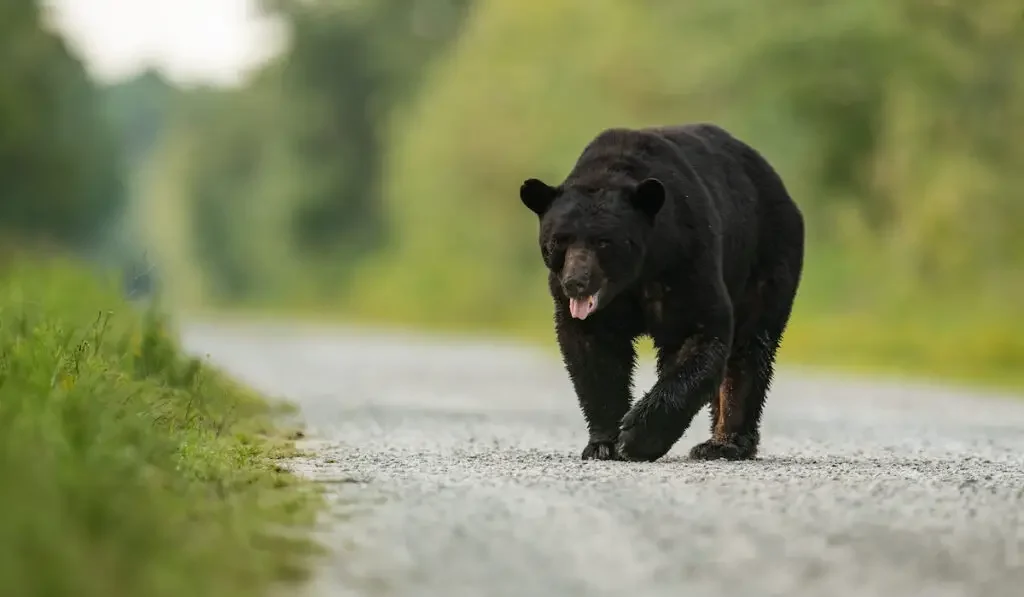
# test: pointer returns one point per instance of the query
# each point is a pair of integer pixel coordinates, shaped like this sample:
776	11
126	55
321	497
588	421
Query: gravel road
457	467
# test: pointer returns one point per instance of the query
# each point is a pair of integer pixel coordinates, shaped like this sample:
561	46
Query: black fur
689	236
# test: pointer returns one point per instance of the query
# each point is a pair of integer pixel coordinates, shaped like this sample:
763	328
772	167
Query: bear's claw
602	450
718	449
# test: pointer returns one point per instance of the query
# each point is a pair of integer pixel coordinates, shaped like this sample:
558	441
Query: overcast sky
212	41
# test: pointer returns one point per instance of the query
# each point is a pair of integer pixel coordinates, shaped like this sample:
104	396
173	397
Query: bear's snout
576	286
581	274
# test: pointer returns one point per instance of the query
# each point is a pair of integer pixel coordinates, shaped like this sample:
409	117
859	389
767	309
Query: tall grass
127	469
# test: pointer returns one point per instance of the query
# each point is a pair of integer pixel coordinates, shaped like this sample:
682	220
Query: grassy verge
126	468
983	351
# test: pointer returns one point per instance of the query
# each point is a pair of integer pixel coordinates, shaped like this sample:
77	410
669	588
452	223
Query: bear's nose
575	286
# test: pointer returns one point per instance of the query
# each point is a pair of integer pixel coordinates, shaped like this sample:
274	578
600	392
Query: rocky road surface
456	468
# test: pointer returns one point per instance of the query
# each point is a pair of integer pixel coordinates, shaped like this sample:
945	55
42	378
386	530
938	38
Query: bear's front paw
600	450
732	448
641	441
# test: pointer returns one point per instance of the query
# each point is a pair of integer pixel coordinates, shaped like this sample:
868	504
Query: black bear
685	234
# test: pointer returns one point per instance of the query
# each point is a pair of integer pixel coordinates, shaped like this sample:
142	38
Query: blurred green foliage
371	169
275	187
892	122
59	168
889	120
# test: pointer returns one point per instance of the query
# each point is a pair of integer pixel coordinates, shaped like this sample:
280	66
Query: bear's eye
560	240
603	243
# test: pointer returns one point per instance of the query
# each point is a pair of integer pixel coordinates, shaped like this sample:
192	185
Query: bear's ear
537	195
648	196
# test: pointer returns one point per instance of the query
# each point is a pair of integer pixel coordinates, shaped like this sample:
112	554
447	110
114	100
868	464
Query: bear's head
594	239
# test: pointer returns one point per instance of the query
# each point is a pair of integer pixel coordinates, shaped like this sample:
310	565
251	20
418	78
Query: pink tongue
580	308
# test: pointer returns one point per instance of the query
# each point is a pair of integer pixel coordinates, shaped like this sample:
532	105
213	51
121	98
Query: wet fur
710	274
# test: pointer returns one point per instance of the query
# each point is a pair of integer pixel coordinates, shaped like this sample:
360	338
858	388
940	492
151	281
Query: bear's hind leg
738	407
740	402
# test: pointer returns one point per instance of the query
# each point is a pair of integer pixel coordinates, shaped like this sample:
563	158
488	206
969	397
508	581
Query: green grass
127	469
983	350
